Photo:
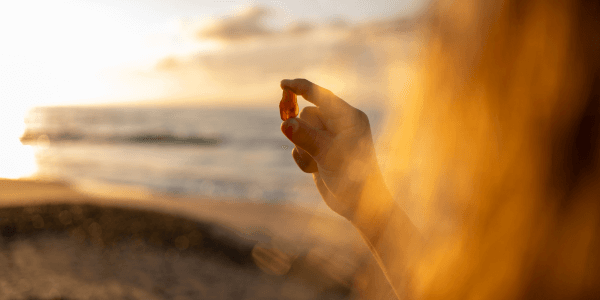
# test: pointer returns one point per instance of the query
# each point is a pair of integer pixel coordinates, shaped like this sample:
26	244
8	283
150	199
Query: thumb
303	135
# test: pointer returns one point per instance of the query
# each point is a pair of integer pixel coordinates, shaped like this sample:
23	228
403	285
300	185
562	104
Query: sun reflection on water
17	161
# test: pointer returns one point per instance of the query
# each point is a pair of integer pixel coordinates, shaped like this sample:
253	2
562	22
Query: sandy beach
60	243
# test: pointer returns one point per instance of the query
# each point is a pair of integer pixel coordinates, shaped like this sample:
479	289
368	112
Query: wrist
374	209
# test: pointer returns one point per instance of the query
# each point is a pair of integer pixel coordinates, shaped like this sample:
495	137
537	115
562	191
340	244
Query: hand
333	142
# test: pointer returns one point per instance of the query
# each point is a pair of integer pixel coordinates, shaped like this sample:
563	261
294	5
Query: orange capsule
288	107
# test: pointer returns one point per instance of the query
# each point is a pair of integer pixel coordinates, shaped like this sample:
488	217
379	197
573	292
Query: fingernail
300	162
283	83
290	128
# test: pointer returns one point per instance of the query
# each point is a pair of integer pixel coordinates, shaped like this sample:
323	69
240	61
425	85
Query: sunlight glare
18	161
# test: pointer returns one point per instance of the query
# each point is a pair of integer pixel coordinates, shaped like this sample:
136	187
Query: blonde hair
496	156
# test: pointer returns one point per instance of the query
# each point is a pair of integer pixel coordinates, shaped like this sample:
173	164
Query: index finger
330	104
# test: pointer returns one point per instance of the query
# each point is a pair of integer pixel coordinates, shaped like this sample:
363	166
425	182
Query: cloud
354	55
246	25
248	65
250	24
168	63
338	22
299	28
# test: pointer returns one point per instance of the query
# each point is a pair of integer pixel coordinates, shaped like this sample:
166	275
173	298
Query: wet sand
59	243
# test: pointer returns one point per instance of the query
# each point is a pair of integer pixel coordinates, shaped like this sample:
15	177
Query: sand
59	243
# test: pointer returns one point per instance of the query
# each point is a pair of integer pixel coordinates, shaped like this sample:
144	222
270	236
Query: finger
304	161
331	104
312	140
312	116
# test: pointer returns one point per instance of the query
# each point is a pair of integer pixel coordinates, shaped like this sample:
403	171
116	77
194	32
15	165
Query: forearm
390	234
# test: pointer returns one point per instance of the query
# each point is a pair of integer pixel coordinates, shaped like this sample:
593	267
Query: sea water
186	151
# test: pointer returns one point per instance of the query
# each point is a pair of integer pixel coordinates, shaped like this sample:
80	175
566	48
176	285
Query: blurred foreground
57	243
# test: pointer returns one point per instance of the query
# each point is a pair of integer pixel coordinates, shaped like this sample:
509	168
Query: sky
184	52
86	51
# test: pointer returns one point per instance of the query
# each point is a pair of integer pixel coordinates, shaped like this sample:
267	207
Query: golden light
71	53
17	161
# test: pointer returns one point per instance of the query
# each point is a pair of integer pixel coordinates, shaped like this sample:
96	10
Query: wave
45	137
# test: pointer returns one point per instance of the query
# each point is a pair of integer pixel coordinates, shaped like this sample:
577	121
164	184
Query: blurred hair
498	148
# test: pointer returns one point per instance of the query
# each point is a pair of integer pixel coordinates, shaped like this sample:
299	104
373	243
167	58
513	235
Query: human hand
333	142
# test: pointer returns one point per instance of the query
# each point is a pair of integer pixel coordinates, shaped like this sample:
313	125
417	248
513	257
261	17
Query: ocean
184	151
